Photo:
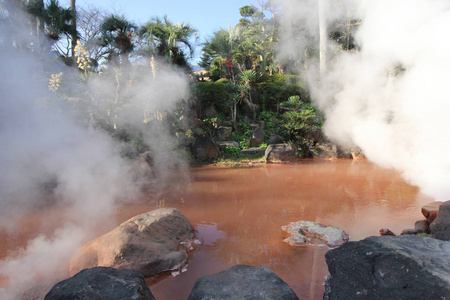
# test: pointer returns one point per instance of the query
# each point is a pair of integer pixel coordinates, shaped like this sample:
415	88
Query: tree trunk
74	26
323	32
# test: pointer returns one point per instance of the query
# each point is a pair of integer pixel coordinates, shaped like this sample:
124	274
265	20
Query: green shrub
302	129
234	152
214	94
222	80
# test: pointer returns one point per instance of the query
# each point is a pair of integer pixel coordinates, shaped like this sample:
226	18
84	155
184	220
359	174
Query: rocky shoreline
410	266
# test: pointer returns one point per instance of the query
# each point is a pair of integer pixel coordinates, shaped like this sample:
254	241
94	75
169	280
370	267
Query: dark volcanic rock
254	151
151	243
408	231
275	139
204	147
258	136
102	283
389	267
224	133
440	228
279	153
242	282
422	226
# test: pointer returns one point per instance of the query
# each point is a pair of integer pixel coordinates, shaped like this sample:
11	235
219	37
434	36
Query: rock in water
431	210
150	243
312	233
389	267
102	283
440	228
242	282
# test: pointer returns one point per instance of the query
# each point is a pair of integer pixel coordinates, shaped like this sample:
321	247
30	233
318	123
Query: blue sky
205	16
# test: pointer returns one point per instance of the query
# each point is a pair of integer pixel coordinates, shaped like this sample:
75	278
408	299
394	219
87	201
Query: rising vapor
391	96
45	149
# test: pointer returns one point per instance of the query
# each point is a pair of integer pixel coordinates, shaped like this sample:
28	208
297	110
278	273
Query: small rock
386	231
431	211
408	231
258	135
312	233
254	151
242	282
217	122
102	283
223	144
224	133
422	226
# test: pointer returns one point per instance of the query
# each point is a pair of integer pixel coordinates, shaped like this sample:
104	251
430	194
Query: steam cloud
390	98
43	145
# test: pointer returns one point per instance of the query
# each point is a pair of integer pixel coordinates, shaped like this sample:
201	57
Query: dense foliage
245	83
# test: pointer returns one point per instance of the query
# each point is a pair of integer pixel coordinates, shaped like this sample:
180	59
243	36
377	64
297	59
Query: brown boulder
151	243
431	211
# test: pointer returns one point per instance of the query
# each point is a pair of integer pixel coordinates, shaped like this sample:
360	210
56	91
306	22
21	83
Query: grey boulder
389	267
242	282
102	283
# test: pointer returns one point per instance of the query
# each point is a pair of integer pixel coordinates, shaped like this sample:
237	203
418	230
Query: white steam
45	151
391	98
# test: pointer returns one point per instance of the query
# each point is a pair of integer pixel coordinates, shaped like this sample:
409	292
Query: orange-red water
238	214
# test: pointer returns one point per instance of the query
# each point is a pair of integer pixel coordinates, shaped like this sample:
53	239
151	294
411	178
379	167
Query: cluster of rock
436	223
114	265
237	282
409	266
207	145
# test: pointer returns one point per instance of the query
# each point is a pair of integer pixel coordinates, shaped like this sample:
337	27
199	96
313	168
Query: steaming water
238	214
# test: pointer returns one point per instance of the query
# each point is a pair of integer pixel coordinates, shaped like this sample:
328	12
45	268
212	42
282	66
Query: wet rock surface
151	243
279	153
305	233
389	267
242	282
102	283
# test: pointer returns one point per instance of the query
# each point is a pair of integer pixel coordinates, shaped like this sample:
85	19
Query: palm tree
168	40
118	33
223	47
248	79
